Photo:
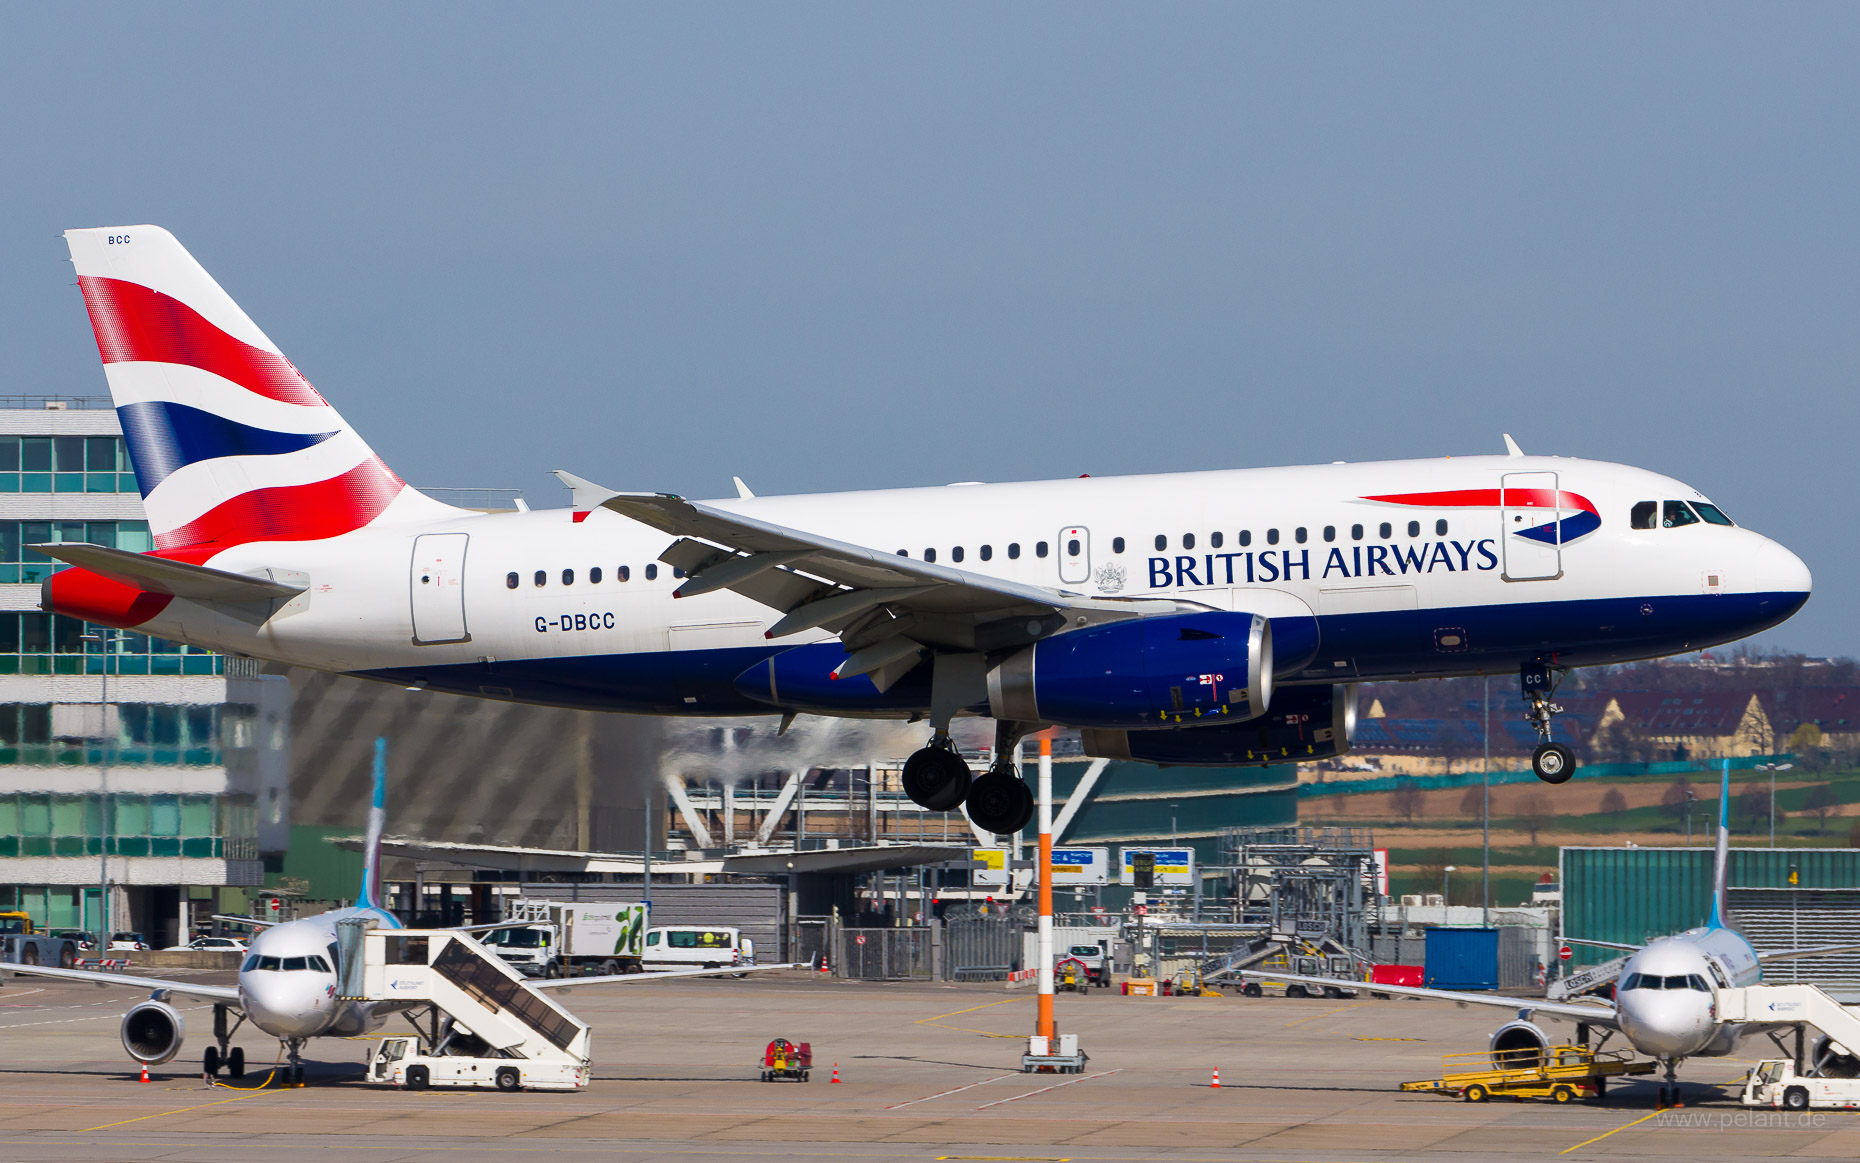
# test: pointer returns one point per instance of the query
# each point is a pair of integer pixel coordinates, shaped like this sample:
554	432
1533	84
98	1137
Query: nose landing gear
1551	762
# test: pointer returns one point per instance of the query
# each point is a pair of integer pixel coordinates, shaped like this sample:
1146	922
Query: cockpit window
1713	514
1678	513
257	962
293	963
1645	515
317	963
1679	981
251	963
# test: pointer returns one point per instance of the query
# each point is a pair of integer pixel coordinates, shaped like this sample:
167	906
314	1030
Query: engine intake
1145	672
1305	723
1833	1060
152	1032
1519	1045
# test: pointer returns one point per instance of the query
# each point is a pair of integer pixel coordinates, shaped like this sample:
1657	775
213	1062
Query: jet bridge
456	976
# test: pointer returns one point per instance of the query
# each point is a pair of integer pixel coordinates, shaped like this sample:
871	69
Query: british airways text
1249	566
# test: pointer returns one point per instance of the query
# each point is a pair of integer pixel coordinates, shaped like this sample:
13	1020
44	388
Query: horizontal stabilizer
161	576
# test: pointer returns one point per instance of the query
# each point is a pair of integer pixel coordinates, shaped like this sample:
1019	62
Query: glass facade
55	824
21	564
37	643
65	464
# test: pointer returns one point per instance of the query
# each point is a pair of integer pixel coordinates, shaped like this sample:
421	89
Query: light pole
104	635
1485	816
1773	768
1691	798
1446	876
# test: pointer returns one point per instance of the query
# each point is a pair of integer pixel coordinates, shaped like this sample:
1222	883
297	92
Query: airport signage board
1175	867
1081	866
989	868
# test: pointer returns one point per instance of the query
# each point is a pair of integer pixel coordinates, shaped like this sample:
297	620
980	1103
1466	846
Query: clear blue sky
870	245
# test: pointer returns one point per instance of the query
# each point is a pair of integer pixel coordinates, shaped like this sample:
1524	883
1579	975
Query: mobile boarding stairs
1798	1006
476	1003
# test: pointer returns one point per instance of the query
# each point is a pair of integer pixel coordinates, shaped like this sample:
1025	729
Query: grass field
1444	826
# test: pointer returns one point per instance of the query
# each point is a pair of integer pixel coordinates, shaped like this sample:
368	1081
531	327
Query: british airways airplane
1212	618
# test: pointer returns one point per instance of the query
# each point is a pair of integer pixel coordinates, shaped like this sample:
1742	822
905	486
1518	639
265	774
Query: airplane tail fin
229	442
1721	860
370	896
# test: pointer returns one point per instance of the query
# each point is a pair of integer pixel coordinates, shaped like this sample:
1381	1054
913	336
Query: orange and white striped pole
1045	1029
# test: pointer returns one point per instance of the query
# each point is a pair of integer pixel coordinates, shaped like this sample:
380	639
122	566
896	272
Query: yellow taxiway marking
1605	1134
934	1020
1325	1014
165	1114
1370	1038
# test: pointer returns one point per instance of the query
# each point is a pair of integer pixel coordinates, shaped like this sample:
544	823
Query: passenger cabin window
1039	549
1246	538
1713	514
1117	544
1188	541
1013	551
1072	547
1385	530
1162	543
1330	533
542	577
594	575
1272	537
652	572
1216	539
1414	528
1356	532
510	580
930	555
1440	527
1644	515
624	573
956	554
988	553
568	577
1678	513
1298	535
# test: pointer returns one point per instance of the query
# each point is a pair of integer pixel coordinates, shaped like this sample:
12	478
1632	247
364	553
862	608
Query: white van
697	946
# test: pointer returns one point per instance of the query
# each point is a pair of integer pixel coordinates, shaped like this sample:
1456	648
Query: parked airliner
1211	618
1666	996
287	982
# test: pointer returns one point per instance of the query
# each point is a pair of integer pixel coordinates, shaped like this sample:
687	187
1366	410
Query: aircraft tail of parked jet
1721	860
230	443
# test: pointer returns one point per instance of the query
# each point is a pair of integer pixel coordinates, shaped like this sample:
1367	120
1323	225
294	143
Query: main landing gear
219	1055
937	779
1551	762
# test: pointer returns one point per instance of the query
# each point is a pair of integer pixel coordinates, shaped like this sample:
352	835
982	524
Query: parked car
229	944
84	940
127	942
685	946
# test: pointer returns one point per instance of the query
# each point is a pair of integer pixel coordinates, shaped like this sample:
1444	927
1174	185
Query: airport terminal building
158	768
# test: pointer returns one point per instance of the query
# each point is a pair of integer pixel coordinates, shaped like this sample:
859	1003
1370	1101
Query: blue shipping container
1462	958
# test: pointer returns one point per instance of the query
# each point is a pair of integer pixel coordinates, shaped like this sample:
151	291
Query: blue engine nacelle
1178	668
1304	723
802	679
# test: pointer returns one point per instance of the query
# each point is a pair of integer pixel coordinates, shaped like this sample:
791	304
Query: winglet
585	493
1511	446
1721	861
377	821
742	490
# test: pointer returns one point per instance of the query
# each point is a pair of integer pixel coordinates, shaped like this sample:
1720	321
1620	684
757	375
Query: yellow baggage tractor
1563	1074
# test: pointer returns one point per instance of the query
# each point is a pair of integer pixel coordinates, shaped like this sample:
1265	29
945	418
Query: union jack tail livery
229	441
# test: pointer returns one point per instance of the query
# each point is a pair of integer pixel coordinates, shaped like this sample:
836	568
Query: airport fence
899	954
979	948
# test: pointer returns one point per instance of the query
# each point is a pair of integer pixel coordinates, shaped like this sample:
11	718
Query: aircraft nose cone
280	1006
1785	573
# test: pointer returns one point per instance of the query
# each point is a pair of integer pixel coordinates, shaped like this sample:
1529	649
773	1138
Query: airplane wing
1603	944
1594	1015
162	576
1809	951
252	921
887	610
221	993
635	978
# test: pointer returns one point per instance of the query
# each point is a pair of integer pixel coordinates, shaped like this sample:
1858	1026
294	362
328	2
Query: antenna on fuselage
1721	860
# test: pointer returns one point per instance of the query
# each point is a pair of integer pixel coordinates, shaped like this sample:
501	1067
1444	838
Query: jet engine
1520	1043
1185	669
1833	1060
152	1032
1305	722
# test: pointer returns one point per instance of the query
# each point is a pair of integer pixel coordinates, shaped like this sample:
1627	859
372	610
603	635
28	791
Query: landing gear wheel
936	779
508	1078
1000	803
211	1063
1553	763
235	1062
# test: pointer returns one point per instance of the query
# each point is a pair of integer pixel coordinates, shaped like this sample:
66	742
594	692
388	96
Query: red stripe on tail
134	323
310	512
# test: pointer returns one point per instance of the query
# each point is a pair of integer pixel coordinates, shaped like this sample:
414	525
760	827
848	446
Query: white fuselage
287	982
1667	996
1400	587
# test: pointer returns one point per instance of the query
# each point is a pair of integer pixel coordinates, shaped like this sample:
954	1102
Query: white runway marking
1055	1086
947	1093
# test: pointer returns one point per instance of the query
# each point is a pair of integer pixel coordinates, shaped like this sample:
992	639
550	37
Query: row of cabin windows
624	573
1672	514
1215	541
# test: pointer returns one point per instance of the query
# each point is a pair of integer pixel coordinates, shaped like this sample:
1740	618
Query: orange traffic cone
836	1073
823	963
1216	1084
145	1073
